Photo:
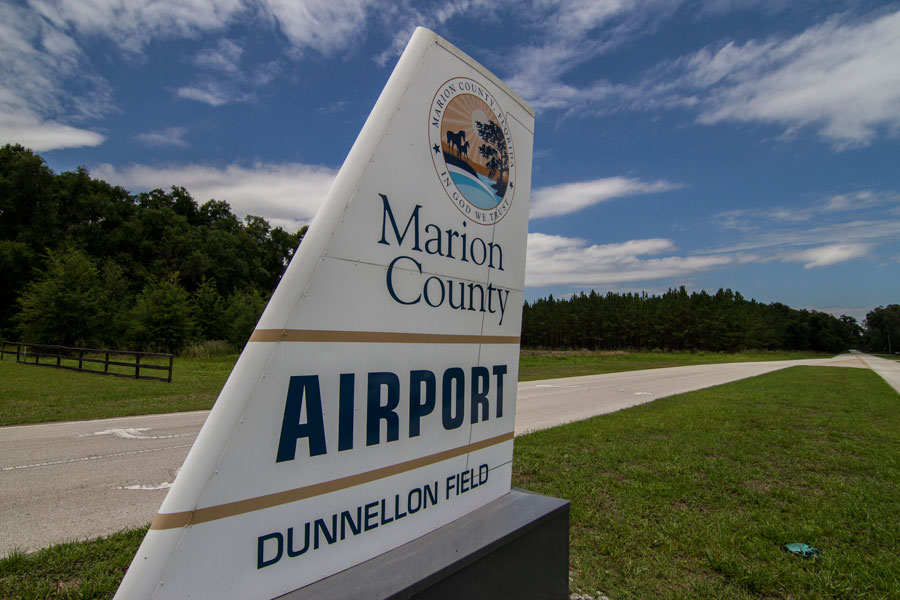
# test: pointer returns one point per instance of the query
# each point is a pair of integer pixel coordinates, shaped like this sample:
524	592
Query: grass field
547	364
693	496
690	496
34	394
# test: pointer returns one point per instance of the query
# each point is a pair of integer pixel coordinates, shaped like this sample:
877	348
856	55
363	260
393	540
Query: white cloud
226	56
44	92
860	200
131	24
323	25
223	80
558	260
170	136
49	88
402	18
840	77
42	135
853	232
571	197
287	194
827	255
569	33
210	93
771	221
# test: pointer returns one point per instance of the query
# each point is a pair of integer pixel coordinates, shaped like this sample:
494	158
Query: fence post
171	358
80	359
137	366
106	364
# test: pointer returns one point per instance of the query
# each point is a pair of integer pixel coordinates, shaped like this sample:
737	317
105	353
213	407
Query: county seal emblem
472	150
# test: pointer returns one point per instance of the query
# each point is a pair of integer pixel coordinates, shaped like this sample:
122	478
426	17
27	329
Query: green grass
34	394
72	571
548	364
693	496
690	496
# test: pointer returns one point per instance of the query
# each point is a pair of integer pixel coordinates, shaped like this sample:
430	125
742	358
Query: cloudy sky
750	144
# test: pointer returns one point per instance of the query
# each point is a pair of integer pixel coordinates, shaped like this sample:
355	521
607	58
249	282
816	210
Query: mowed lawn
693	496
549	364
36	394
690	496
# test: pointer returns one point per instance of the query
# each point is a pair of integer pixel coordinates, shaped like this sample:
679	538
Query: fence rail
90	360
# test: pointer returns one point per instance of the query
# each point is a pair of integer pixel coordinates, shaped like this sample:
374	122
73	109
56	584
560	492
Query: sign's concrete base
516	547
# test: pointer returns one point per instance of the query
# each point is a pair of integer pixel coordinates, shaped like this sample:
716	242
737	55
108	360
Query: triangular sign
375	401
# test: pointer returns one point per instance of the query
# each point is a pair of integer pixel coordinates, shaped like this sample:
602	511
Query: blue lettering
371	516
451	376
347	519
499	371
345	411
389	214
260	552
290	542
390	280
330	536
418	408
291	429
376	412
481	384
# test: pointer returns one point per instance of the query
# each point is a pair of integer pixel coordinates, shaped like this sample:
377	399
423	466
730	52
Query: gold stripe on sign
375	337
239	507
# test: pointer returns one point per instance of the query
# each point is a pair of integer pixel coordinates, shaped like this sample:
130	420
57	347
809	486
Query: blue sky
747	144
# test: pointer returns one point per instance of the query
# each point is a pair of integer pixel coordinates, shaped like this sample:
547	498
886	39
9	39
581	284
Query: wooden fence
91	360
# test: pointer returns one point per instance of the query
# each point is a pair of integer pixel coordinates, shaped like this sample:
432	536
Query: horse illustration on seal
456	139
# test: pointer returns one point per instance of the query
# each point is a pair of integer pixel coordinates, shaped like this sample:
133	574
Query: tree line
677	320
85	263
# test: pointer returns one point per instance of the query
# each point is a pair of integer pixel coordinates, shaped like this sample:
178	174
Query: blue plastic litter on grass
803	550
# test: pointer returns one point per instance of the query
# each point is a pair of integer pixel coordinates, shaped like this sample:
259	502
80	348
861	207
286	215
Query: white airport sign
375	401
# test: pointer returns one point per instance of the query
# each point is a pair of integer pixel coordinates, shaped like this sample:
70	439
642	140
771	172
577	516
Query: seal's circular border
445	93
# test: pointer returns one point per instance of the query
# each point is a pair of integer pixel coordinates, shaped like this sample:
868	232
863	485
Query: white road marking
134	433
163	486
87	458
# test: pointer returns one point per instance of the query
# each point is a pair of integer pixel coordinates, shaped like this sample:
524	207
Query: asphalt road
68	481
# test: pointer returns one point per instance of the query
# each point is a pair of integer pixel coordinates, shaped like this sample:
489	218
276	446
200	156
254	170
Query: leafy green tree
115	305
17	265
851	332
242	314
63	305
209	311
27	208
162	317
140	240
883	329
